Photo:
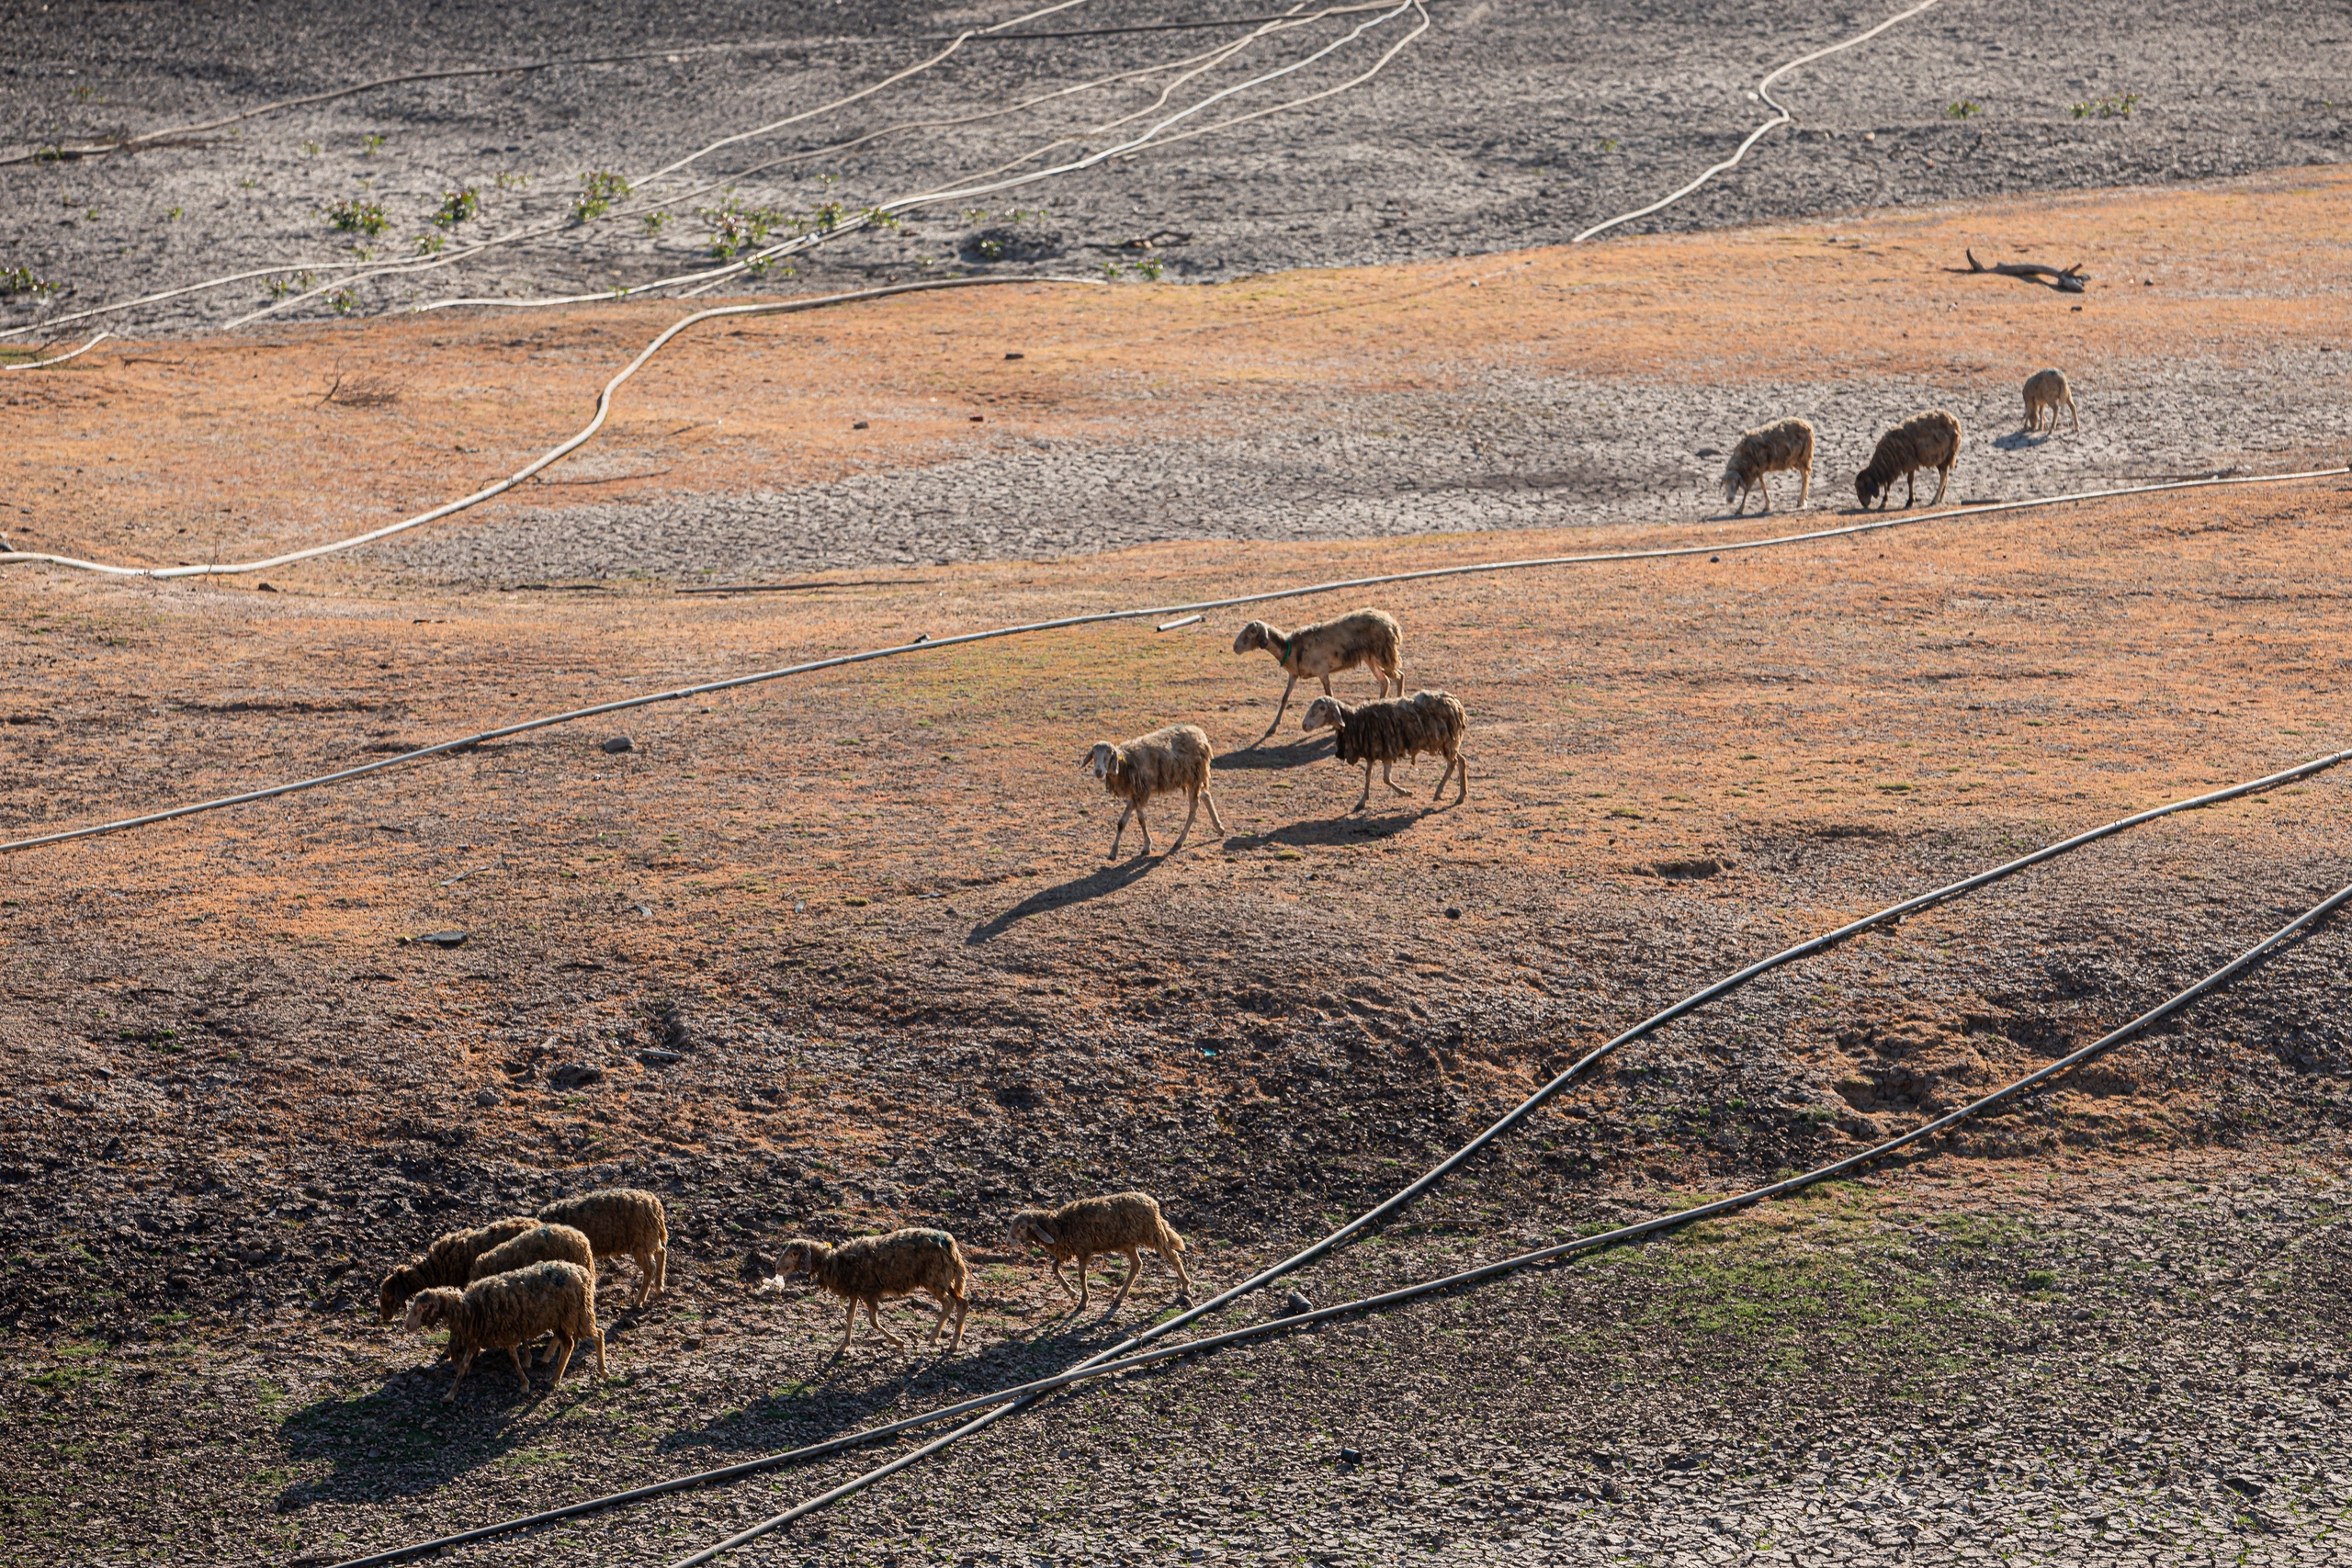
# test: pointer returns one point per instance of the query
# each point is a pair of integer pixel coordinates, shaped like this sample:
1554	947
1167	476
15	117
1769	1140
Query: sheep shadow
1374	823
1277	757
1095	885
2023	440
378	1443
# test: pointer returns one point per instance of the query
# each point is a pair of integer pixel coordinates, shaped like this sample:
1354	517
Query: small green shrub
456	206
2116	107
18	280
359	218
597	193
1966	109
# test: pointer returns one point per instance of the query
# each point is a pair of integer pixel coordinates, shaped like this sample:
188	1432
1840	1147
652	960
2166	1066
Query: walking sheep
874	1269
2047	391
1161	762
511	1309
448	1261
1369	637
621	1222
1782	447
1930	440
541	1244
1395	731
1124	1223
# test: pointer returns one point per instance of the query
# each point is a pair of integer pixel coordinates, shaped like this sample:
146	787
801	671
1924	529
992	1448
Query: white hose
1764	91
45	364
552	456
932	645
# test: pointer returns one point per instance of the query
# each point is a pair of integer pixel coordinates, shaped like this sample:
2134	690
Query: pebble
620	743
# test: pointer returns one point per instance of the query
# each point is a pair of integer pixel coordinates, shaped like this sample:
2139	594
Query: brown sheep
1930	440
541	1244
1161	762
506	1311
2047	391
1124	1223
1395	731
621	1222
1782	447
448	1261
874	1269
1369	637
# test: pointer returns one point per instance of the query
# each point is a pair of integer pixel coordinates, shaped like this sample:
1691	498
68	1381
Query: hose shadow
1062	894
399	1439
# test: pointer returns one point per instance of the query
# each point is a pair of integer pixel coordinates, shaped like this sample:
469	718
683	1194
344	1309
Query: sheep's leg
1392	785
1943	475
956	1343
646	1269
1061	1281
1764	489
874	1316
1280	708
660	1267
1327	685
1189	816
1741	510
1121	832
521	1376
1366	795
598	1340
848	1329
464	1360
1135	1266
1215	820
562	1362
1143	823
1171	1254
1083	1259
2074	420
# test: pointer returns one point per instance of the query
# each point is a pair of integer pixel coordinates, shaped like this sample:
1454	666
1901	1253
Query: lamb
448	1261
1930	440
874	1269
1123	1223
511	1309
2047	389
1782	447
621	1222
1394	732
1159	764
1369	637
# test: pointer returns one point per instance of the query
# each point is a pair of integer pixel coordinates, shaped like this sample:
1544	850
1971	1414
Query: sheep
1930	440
621	1222
1395	731
505	1311
2047	389
1159	764
540	1244
1782	447
874	1269
448	1261
1369	637
1123	1223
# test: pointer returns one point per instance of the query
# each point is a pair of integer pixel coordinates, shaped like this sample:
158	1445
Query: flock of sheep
1930	440
506	1284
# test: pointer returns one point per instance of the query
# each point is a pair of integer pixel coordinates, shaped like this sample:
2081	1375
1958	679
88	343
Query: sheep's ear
1044	1234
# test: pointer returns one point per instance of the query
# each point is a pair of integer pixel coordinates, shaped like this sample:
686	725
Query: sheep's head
1867	487
801	1256
430	1309
1254	637
1104	761
1323	713
1733	483
397	1286
1027	1227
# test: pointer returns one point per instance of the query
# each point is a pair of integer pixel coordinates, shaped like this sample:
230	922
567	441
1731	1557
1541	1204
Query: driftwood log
2066	280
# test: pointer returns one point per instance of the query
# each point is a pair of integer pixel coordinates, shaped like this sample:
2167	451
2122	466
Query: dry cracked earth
833	955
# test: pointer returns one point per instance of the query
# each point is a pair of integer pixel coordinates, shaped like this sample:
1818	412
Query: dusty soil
845	954
1503	126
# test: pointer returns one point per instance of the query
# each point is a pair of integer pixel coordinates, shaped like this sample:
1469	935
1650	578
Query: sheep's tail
962	1276
1170	1244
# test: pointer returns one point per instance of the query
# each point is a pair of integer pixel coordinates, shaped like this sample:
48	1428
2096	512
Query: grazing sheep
621	1222
1930	440
448	1261
2047	389
540	1244
1159	764
874	1269
511	1309
1123	1223
1782	447
1369	637
1395	731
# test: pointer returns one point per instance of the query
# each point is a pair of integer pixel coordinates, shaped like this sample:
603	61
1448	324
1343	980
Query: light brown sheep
540	1244
1161	762
1369	637
2046	390
1782	447
448	1261
1395	731
621	1222
874	1269
509	1310
1124	1223
1930	440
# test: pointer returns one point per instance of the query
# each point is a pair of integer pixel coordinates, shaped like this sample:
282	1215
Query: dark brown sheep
1930	440
874	1269
1782	447
1124	1223
1369	637
1394	732
448	1261
509	1310
1161	762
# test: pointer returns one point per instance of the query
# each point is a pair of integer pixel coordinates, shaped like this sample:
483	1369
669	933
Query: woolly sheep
511	1309
448	1261
1166	760
540	1244
1394	732
1369	637
1782	447
621	1222
1930	440
1124	1223
2047	391
874	1269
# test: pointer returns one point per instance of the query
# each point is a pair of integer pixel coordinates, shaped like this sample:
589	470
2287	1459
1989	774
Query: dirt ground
831	955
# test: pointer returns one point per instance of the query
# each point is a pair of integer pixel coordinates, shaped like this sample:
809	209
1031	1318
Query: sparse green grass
1963	109
359	218
2114	106
598	192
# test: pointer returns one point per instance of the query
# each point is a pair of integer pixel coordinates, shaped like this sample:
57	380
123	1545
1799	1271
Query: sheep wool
621	1222
1124	1223
1367	636
1395	731
448	1261
1162	763
874	1269
505	1311
1782	447
2046	392
1930	440
540	1244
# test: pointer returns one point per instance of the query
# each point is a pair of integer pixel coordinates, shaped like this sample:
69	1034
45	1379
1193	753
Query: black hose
1892	913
